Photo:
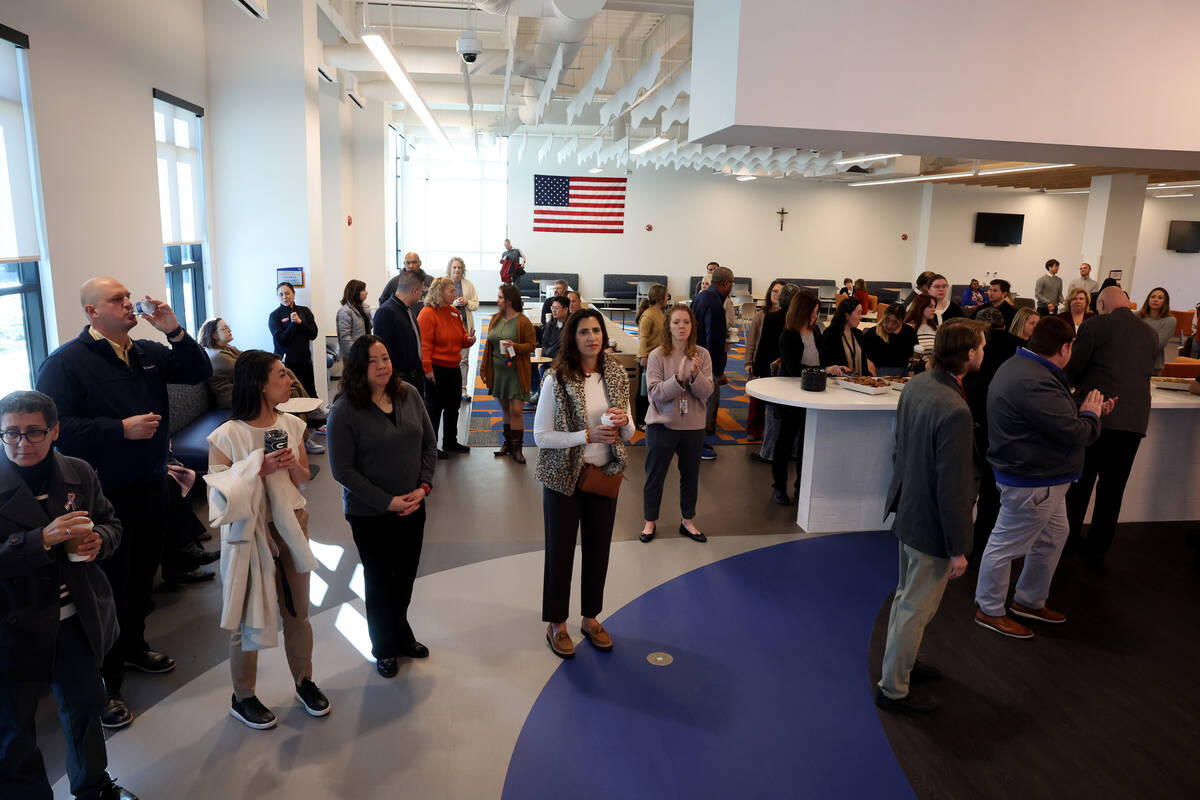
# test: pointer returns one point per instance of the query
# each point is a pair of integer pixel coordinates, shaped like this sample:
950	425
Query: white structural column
1112	225
265	130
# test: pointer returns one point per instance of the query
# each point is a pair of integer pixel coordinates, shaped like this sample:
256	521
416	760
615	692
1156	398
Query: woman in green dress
506	368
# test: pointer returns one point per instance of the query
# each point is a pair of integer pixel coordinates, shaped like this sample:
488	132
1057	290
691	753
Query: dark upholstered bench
530	288
193	418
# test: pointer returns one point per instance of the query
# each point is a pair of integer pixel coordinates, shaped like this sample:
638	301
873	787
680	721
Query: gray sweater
1047	290
375	459
1164	329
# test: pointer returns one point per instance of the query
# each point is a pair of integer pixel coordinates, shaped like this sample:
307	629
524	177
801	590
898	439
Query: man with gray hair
1114	352
111	393
396	324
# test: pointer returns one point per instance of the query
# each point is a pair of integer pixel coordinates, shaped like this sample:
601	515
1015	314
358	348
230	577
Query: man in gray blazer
1114	352
934	483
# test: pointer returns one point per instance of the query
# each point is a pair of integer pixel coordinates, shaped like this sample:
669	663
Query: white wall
1178	273
829	231
1022	79
1053	229
93	67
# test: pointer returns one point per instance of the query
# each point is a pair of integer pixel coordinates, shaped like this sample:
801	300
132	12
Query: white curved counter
849	437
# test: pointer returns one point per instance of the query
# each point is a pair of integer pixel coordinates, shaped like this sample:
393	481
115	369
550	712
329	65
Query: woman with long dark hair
382	450
506	369
583	419
922	318
756	412
842	343
680	380
265	556
1156	312
293	328
353	316
799	349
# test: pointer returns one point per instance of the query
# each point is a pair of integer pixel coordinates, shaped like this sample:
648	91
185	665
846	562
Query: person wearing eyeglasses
111	394
412	263
58	605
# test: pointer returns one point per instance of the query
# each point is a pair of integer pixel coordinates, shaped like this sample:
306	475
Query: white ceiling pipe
416	60
387	92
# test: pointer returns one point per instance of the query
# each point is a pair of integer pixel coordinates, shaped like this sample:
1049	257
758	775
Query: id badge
683	406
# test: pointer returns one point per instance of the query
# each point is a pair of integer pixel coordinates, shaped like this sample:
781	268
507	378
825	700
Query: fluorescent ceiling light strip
942	176
860	159
746	177
387	59
1173	186
646	147
1030	168
1072	191
1160	196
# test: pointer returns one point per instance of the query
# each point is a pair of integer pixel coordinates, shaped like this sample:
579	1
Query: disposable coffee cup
549	317
607	419
537	352
72	545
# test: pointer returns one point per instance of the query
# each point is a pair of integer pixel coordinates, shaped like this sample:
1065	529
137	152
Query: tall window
455	206
177	132
22	323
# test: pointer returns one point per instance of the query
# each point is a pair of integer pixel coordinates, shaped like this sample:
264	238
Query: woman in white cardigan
268	547
466	300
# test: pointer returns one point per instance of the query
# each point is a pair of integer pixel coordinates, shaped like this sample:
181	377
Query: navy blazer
291	339
94	391
30	574
394	324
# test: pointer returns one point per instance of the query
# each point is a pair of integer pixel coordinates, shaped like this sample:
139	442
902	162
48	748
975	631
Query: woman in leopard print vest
580	387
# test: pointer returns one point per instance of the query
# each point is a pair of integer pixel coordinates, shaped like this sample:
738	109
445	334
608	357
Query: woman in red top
442	341
860	294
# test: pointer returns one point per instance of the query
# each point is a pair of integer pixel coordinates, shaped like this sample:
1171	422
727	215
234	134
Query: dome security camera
469	46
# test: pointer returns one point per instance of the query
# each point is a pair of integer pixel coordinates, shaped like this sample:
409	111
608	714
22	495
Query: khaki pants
297	631
923	580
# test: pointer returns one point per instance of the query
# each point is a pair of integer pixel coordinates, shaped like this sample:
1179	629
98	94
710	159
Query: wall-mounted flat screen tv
1184	236
998	230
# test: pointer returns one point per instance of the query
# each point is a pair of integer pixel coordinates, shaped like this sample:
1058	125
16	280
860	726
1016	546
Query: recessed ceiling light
862	159
646	147
746	177
594	170
942	176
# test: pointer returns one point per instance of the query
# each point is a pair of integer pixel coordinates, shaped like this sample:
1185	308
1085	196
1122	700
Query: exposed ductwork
564	22
416	60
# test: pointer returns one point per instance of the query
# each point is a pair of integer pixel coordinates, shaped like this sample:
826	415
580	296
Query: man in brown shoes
1037	439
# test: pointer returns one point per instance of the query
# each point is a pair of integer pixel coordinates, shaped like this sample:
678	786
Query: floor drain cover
660	659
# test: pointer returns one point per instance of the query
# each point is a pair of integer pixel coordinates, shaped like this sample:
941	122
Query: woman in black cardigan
799	349
842	342
293	327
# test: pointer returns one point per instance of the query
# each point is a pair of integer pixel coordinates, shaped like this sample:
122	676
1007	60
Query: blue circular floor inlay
768	695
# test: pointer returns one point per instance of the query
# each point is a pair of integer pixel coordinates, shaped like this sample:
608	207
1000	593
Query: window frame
33	309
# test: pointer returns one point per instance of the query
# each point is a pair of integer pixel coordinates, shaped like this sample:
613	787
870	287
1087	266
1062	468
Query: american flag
564	204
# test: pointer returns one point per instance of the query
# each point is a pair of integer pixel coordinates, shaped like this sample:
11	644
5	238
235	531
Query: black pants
417	381
142	510
184	528
304	373
663	444
75	681
390	549
1106	465
445	396
791	428
592	516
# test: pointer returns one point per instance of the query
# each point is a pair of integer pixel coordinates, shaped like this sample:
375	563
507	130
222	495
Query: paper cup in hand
607	419
72	544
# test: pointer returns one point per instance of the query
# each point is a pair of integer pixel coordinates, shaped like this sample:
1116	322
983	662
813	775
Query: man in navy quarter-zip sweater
111	393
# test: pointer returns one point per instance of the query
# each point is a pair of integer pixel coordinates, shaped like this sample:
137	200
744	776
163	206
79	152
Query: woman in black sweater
382	450
889	345
841	344
799	349
293	327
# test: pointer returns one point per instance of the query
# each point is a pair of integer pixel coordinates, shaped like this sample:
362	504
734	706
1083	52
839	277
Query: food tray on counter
863	385
897	384
1172	384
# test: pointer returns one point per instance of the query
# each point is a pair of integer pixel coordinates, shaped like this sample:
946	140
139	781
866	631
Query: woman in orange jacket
442	341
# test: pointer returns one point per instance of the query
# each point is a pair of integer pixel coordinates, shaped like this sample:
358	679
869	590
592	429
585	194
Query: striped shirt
66	606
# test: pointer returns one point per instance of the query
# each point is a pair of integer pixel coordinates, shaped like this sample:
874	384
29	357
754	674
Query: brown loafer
598	637
560	642
1042	614
1003	625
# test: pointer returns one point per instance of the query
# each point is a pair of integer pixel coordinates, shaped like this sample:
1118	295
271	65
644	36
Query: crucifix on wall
782	212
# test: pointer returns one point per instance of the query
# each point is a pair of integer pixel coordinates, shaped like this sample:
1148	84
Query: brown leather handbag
593	479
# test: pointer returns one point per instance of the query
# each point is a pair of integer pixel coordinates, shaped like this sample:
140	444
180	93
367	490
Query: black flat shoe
646	537
458	448
387	667
313	699
781	498
442	455
415	650
695	537
757	456
151	661
905	705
